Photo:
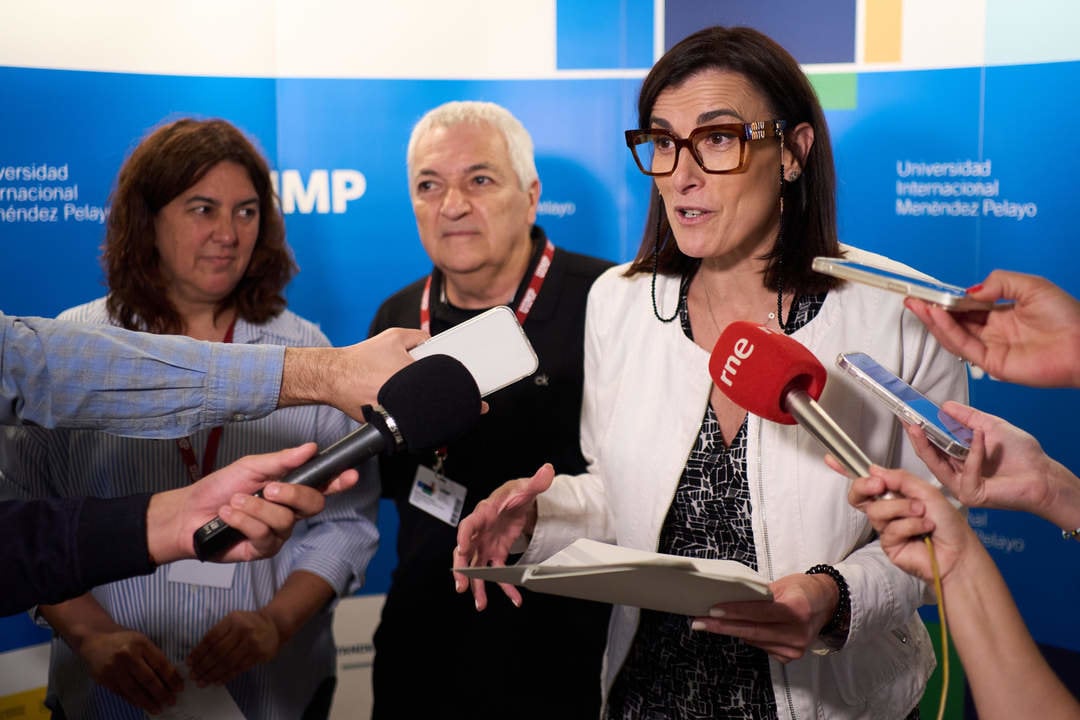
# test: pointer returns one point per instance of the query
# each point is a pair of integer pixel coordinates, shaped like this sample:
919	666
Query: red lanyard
523	308
187	453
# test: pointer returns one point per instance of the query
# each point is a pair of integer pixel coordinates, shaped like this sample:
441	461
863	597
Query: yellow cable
944	627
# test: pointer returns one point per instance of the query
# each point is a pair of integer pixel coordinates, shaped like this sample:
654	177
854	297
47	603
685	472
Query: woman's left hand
786	626
486	535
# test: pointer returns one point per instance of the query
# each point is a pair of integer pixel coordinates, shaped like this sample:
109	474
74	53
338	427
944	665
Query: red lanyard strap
187	452
527	300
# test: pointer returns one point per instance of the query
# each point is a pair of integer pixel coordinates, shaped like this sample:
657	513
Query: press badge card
207	574
437	495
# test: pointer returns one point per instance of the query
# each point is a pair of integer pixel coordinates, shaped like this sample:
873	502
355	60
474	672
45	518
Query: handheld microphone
426	404
773	376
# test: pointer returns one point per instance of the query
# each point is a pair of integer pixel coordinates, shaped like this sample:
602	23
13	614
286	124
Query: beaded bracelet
834	633
1071	534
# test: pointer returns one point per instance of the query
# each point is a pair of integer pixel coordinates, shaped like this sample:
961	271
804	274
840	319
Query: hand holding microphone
426	404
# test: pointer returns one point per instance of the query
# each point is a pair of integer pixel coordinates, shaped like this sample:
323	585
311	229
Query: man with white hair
475	191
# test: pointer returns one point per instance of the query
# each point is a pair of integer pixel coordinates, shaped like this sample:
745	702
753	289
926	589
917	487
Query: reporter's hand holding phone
1005	468
492	347
1036	341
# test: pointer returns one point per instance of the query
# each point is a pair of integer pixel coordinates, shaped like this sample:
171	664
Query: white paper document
212	702
593	570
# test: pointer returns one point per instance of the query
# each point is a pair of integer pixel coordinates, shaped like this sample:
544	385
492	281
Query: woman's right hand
487	534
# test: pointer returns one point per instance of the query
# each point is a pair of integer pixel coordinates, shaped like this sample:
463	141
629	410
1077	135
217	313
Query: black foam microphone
426	404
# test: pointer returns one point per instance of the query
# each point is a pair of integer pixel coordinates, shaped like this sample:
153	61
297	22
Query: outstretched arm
346	378
57	548
1008	676
62	374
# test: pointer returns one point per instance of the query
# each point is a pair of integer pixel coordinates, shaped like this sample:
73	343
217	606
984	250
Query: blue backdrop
338	147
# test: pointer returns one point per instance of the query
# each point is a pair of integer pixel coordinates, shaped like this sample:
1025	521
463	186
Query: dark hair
809	222
165	163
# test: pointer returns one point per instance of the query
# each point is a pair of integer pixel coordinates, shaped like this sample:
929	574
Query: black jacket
435	656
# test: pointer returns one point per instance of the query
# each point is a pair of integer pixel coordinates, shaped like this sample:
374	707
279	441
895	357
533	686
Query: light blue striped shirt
60	374
335	545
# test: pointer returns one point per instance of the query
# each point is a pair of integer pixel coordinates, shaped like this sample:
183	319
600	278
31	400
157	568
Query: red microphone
775	377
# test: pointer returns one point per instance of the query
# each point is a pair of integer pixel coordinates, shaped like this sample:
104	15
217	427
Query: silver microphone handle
818	423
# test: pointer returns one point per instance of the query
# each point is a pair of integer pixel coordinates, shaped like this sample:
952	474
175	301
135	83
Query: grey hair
519	144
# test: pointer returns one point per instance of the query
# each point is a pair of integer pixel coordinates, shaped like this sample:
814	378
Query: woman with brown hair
196	246
732	134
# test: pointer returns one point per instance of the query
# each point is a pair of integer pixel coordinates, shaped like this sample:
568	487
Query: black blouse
671	671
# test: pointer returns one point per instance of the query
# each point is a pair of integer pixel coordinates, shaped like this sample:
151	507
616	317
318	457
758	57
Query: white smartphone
492	346
950	297
907	403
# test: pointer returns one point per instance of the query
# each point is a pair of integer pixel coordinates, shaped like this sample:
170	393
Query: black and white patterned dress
671	671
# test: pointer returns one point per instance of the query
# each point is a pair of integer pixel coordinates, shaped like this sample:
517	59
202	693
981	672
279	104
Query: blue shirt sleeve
61	374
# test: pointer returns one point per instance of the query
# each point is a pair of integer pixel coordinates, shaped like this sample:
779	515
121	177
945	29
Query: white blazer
646	389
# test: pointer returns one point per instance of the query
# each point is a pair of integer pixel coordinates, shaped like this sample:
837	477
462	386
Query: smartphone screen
492	346
908	404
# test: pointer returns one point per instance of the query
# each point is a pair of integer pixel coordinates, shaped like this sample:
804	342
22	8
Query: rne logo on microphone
742	350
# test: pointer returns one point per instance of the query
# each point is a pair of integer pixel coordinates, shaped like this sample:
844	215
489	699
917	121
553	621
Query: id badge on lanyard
436	494
433	492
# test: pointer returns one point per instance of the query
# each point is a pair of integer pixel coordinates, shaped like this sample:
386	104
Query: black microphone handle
367	441
361	444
